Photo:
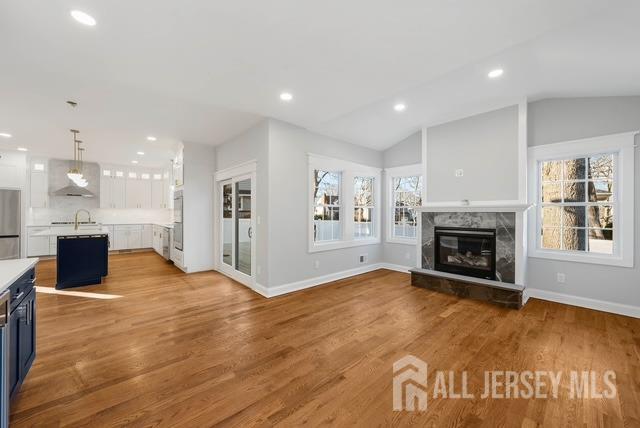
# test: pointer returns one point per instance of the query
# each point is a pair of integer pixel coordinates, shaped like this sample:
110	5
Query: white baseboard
397	268
584	302
319	280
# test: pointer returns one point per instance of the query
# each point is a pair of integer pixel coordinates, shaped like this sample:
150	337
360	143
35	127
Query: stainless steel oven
177	220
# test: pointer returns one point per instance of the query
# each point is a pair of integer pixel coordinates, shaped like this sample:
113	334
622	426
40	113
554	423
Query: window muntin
578	204
327	225
407	194
363	207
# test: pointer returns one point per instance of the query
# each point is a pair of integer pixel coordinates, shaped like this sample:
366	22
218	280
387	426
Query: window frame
348	170
622	147
374	219
390	174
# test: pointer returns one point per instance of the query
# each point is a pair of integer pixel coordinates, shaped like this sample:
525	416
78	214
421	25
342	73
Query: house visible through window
407	194
326	196
578	204
363	207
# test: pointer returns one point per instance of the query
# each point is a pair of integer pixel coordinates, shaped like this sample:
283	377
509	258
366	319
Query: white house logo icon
409	384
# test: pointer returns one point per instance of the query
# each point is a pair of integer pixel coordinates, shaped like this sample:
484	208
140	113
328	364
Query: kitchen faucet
78	212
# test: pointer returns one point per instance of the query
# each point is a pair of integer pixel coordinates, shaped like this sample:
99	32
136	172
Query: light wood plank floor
198	350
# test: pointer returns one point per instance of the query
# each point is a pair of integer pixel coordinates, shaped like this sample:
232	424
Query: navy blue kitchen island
82	260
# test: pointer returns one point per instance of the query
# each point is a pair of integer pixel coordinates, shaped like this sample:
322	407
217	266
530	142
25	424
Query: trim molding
536	293
320	280
584	302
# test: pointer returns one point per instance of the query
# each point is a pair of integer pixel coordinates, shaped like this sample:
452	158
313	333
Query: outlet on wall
459	172
363	258
562	278
316	264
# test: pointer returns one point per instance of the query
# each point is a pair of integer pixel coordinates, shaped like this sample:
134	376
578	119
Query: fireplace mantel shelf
475	207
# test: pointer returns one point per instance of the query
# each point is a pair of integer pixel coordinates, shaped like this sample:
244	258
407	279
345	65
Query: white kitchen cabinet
37	245
158	199
38	184
132	237
147	236
112	187
138	189
133	190
120	239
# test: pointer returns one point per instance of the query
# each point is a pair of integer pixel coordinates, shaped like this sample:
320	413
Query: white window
326	216
583	191
405	191
363	207
343	208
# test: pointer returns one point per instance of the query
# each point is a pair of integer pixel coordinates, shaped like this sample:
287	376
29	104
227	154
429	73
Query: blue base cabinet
22	332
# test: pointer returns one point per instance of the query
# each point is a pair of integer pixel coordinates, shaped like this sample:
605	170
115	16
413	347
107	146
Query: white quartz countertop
11	270
70	231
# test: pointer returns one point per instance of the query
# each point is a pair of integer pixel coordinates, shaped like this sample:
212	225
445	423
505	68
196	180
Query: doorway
237	228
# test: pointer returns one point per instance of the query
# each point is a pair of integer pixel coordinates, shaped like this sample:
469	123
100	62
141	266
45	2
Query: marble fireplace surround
507	219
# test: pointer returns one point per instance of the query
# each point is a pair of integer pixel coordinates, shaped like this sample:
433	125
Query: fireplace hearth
466	251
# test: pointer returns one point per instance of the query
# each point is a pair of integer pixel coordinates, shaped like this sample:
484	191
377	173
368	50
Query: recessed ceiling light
141	153
495	73
286	96
399	107
83	18
22	149
151	138
134	161
5	135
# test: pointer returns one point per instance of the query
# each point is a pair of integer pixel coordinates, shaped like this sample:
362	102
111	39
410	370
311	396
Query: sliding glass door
237	228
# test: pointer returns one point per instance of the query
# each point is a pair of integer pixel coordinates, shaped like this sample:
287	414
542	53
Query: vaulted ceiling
203	71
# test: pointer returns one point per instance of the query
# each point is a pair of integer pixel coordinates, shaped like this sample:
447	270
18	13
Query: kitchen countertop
70	231
169	225
11	270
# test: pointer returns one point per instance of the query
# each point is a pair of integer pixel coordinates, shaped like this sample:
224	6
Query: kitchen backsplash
44	216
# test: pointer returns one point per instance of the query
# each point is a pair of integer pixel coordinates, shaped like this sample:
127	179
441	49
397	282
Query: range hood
74	190
61	186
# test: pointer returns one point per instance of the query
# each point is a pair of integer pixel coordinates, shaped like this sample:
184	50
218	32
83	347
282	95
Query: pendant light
74	173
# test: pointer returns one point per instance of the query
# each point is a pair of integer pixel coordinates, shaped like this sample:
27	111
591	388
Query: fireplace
464	251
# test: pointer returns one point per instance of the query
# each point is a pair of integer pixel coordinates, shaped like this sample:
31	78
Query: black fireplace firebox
463	251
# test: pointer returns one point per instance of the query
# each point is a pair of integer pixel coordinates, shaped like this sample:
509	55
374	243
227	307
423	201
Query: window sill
405	241
583	258
337	245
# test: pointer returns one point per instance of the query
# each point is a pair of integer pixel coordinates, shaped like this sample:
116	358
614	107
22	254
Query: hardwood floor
199	350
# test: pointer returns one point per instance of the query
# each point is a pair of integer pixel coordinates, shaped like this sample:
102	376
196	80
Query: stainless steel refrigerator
9	224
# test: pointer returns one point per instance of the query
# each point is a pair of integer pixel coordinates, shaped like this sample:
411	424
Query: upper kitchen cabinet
12	170
38	183
138	194
161	197
112	187
178	168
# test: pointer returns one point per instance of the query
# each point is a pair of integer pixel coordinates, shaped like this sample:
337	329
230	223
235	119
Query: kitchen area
76	214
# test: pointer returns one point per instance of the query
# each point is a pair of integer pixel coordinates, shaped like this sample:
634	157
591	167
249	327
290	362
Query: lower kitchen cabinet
22	336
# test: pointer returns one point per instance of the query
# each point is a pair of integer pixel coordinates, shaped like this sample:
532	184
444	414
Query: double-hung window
583	192
404	195
363	203
344	208
326	196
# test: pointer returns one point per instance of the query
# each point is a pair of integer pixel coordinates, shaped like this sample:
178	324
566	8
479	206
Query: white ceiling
202	70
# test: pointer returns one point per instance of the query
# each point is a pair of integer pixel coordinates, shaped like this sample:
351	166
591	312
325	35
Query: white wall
485	147
405	152
198	215
557	120
249	146
289	259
